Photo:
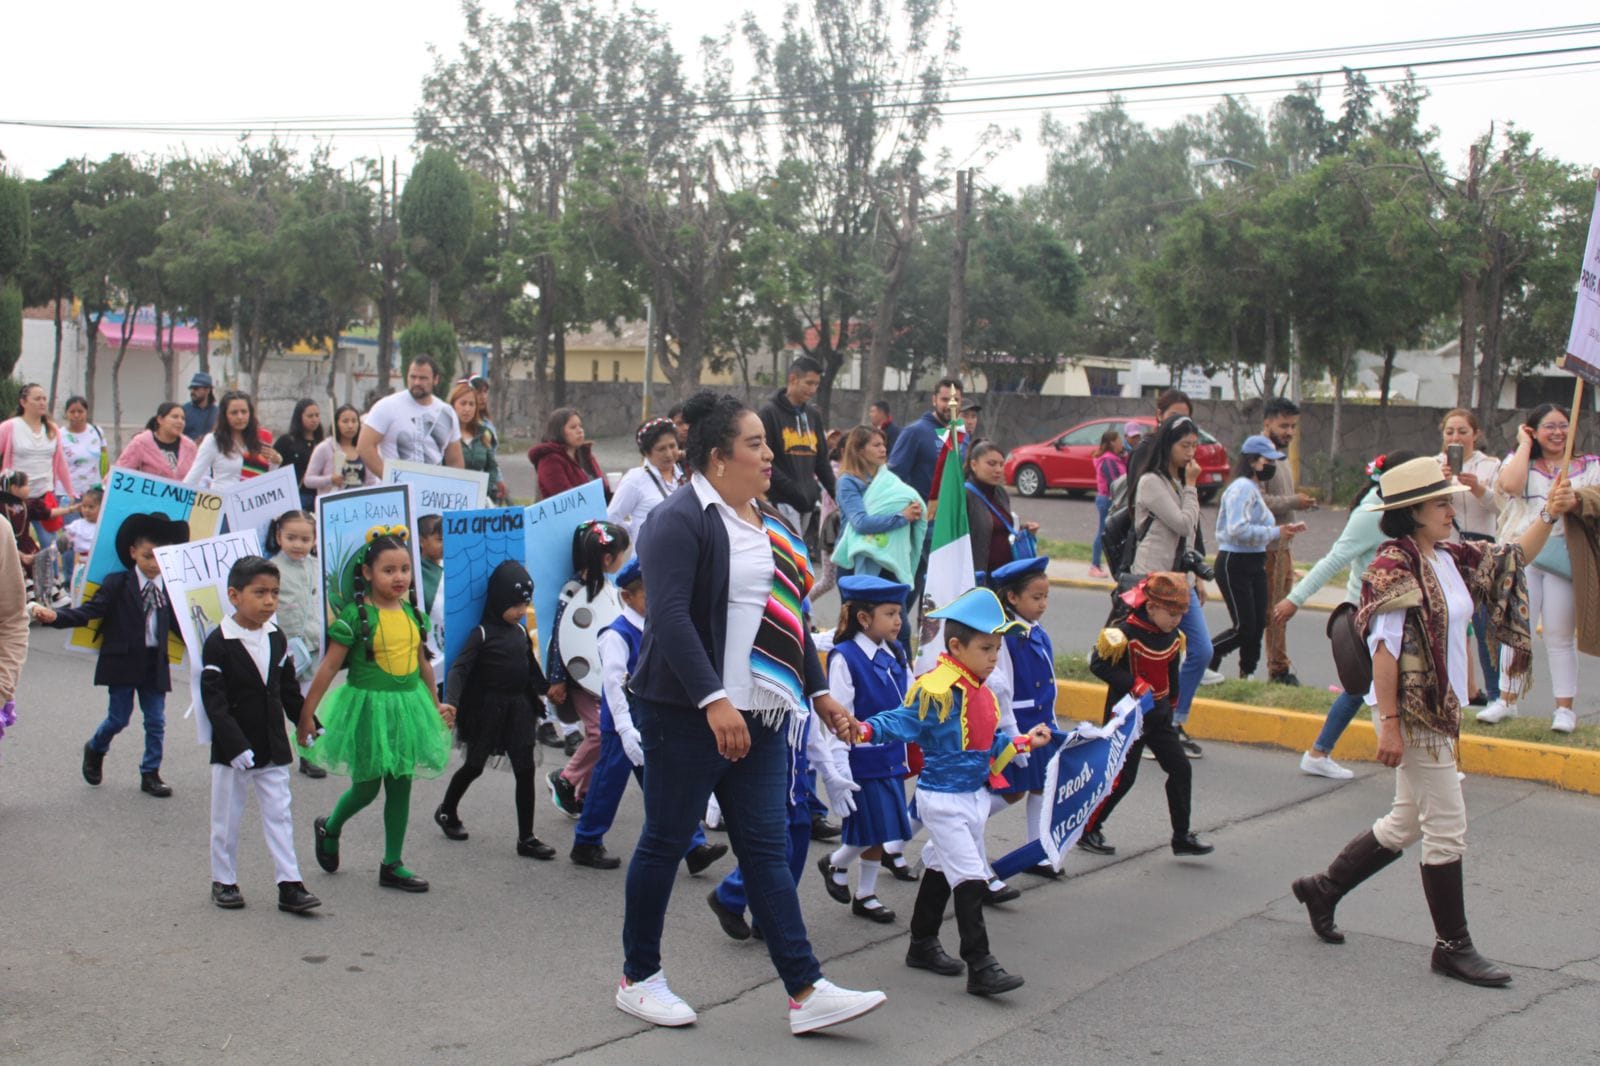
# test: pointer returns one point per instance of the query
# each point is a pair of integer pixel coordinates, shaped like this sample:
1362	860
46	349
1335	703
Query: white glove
840	786
244	760
632	745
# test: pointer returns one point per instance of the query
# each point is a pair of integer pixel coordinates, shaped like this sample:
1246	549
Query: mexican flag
949	553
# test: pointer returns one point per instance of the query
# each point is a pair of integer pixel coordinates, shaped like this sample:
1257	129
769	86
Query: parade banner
440	489
254	502
1583	343
128	492
549	528
475	542
196	576
343	521
1077	780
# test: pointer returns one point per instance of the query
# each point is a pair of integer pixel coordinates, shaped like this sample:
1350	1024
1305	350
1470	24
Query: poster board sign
549	527
475	542
1583	343
253	503
196	576
129	492
440	489
343	521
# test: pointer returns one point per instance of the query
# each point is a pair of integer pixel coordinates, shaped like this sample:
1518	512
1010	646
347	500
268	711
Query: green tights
396	813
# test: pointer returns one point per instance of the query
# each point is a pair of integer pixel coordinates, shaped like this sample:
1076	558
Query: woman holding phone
1476	517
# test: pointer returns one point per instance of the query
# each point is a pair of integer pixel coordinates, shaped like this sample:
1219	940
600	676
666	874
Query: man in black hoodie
800	466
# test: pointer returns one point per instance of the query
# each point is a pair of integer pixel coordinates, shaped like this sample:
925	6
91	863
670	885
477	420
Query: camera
1192	562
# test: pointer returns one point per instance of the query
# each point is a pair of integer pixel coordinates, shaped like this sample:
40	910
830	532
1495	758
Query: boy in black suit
135	617
249	690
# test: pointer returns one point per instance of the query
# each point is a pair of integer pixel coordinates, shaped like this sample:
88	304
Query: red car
1065	461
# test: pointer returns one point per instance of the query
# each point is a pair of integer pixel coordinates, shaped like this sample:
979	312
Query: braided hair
592	543
380	540
271	545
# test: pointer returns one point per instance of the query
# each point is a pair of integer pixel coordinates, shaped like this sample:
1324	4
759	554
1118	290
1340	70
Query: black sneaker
1094	842
549	735
93	762
732	924
449	823
311	769
594	856
992	981
152	783
1190	748
294	899
1285	678
1189	844
929	954
226	896
822	829
534	848
703	856
564	795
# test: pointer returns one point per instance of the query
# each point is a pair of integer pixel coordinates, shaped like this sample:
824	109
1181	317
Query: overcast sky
188	61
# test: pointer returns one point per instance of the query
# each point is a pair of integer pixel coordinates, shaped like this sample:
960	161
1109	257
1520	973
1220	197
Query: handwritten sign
196	576
1583	343
475	542
343	521
253	503
440	489
549	528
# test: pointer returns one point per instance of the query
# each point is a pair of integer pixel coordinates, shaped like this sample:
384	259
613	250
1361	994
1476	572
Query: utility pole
649	357
954	344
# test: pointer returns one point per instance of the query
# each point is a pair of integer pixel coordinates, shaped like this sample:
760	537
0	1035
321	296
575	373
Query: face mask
1267	471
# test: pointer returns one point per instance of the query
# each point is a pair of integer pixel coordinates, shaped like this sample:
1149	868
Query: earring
722	468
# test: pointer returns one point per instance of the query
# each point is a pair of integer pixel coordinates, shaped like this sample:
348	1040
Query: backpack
1119	540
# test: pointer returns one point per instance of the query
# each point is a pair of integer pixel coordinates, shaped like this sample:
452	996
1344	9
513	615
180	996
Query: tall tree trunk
91	324
955	345
1466	369
205	318
124	335
433	299
1338	418
1233	359
1490	375
883	321
1387	375
1269	353
55	363
333	366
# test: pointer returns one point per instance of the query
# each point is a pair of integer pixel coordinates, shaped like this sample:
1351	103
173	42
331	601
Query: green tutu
372	733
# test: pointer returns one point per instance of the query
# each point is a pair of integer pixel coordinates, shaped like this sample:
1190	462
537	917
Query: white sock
841	860
568	728
895	849
996	885
1035	805
867	880
997	803
713	812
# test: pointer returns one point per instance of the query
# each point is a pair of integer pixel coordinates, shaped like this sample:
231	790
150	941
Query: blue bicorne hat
1016	571
861	588
630	573
978	609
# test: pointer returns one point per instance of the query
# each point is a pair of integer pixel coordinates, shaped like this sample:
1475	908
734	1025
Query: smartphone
1453	456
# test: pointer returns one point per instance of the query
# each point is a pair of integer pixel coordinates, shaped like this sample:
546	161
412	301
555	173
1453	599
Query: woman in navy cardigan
706	723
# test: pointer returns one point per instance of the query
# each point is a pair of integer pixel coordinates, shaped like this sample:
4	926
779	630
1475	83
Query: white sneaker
1497	711
1564	721
1324	766
1212	677
652	1001
828	1005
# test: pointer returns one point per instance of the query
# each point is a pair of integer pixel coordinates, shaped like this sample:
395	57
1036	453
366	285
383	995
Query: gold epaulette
1183	642
934	689
1112	645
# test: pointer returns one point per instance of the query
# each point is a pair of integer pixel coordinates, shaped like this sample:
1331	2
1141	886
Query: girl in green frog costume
384	724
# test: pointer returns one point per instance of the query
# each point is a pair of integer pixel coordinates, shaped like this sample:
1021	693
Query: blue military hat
861	588
978	609
1017	571
630	573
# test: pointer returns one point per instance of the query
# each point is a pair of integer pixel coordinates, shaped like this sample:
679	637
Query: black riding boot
1360	859
1453	954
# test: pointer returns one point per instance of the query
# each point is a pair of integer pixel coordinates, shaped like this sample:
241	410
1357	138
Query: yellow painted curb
1574	769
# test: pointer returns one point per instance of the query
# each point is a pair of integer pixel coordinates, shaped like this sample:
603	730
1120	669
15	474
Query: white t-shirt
414	432
33	454
83	452
80	535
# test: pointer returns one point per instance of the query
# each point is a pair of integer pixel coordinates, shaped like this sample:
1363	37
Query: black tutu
496	723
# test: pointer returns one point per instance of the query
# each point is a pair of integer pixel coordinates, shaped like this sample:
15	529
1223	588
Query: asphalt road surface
112	951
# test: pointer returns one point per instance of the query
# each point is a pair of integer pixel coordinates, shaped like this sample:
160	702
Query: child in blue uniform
621	752
867	675
1025	682
953	716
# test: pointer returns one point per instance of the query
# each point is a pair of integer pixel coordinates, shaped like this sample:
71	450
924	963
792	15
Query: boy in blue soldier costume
621	753
954	717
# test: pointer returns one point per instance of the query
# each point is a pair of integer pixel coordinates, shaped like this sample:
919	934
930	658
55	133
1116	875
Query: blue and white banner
475	542
1080	776
550	525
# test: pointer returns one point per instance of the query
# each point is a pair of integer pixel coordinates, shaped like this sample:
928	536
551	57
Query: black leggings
1242	576
1161	737
521	767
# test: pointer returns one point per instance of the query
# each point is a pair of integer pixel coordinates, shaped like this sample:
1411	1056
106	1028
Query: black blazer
685	561
123	655
246	712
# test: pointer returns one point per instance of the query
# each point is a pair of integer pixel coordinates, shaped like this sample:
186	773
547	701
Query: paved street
113	951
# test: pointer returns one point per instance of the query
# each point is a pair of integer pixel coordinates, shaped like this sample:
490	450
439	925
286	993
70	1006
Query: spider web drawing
475	542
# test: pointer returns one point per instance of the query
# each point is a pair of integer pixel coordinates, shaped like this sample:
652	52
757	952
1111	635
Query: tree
14	228
436	339
55	228
328	232
436	219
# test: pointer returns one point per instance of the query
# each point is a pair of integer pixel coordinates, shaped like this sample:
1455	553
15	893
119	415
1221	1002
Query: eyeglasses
1554	427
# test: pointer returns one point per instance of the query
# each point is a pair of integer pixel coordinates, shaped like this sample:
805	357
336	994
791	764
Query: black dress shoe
1094	842
732	923
152	783
311	769
822	829
595	856
1480	699
1285	678
570	743
92	762
703	856
928	954
993	896
294	899
549	735
1189	844
449	823
900	871
840	893
880	914
319	830
992	981
226	896
1043	869
1190	748
389	877
534	848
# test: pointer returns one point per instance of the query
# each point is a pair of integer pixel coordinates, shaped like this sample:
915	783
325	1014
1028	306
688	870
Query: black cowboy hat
158	529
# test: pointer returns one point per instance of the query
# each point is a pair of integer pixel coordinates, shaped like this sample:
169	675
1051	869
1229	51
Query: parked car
1066	461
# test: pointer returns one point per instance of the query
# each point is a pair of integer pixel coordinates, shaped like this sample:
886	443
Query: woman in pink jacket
161	449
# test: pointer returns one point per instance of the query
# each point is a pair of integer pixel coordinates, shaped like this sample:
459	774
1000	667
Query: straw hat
1415	482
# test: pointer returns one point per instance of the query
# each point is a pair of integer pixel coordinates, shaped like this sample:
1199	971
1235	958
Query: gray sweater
1177	518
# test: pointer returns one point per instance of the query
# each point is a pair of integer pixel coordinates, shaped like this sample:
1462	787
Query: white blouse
34	454
1387	628
214	469
640	491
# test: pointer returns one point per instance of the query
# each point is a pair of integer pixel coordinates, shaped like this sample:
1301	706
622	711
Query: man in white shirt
414	425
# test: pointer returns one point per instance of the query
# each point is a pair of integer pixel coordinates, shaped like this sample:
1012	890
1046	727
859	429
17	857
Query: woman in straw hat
1417	599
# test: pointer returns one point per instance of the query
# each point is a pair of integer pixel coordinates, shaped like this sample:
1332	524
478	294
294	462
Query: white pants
955	822
1550	601
228	792
1428	806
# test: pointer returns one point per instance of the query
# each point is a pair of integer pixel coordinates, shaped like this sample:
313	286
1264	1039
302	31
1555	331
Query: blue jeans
1196	659
1102	507
682	770
731	894
1488	660
1344	708
606	785
153	703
